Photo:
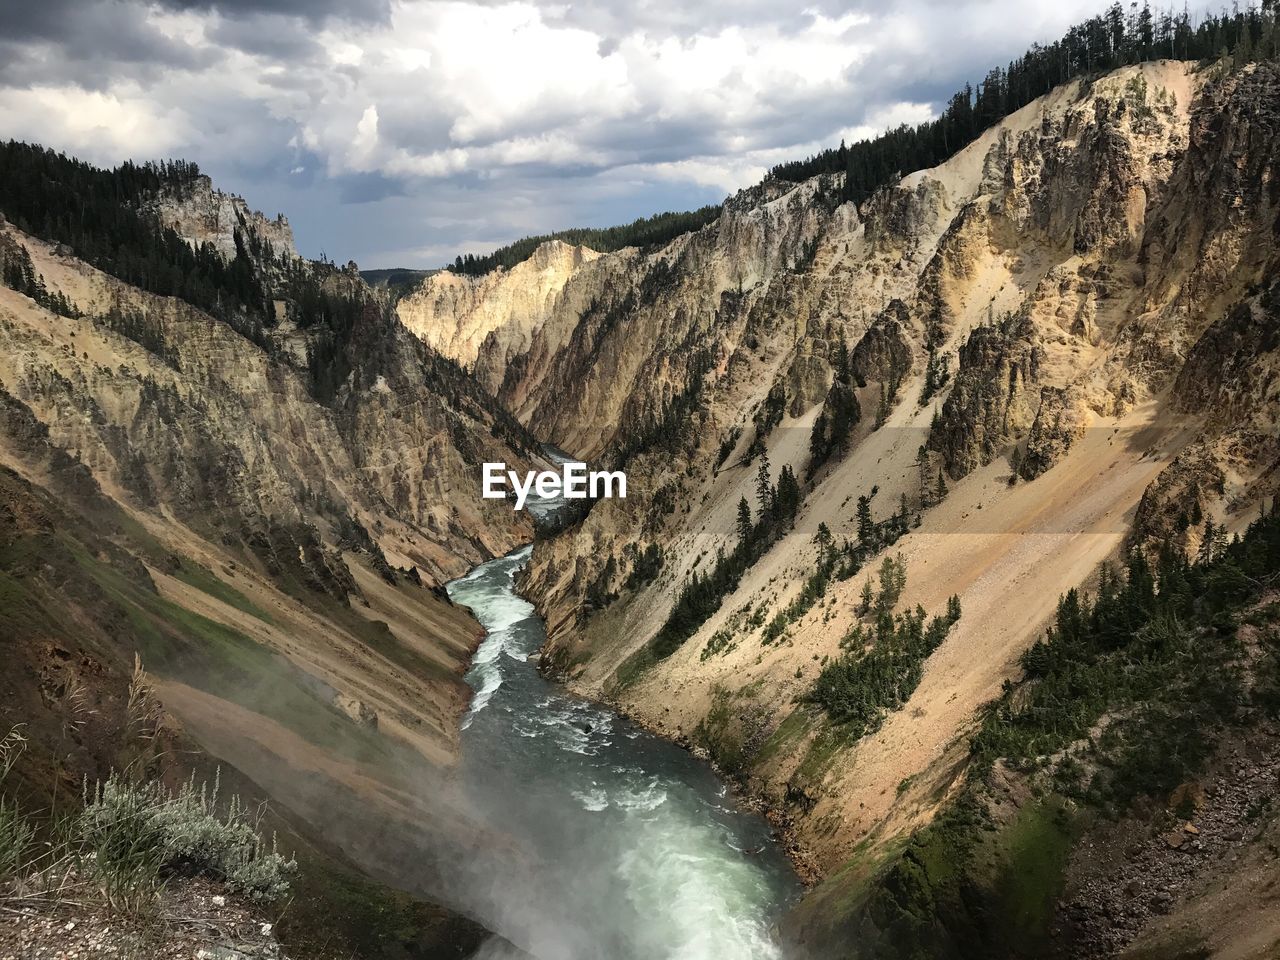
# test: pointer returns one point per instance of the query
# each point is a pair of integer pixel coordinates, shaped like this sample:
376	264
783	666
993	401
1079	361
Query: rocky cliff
201	213
487	322
1054	335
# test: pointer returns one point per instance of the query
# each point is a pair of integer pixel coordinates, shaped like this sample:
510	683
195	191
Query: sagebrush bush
183	832
17	836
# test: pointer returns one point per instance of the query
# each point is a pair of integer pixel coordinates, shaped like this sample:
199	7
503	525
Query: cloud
101	127
390	129
309	10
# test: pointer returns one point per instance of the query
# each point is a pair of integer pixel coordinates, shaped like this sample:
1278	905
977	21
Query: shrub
135	828
17	836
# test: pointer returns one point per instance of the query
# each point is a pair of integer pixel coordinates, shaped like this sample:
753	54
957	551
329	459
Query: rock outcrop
200	213
994	399
883	353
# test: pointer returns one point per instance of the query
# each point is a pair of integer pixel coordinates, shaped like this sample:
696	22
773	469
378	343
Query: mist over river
634	849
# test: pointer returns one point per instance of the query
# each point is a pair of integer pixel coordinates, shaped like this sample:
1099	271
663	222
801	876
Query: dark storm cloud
36	21
93	40
368	187
269	34
415	123
312	10
617	18
652	140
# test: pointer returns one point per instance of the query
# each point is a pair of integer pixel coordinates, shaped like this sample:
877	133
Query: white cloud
364	146
98	126
884	118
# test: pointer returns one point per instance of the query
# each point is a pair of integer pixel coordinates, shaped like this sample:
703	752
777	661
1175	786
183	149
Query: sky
402	133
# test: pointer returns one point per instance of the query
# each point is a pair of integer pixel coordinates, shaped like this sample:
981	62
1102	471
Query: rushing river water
640	851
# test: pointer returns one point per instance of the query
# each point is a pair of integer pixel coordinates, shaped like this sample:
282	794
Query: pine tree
764	487
930	377
818	442
787	496
833	427
897	570
866	526
845	414
770	412
1208	542
842	369
1244	49
1220	541
893	580
744	520
953	608
940	491
922	471
868	597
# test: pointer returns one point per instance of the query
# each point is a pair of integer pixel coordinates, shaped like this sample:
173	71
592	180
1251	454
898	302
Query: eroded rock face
884	352
1231	373
808	381
1060	421
995	396
614	333
228	438
485	322
272	551
332	511
200	213
1183	493
1055	258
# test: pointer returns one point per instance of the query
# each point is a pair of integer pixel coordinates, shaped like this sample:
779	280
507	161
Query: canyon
1074	272
936	414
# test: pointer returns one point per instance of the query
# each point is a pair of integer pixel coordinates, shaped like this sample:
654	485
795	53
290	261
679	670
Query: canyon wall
1059	342
181	499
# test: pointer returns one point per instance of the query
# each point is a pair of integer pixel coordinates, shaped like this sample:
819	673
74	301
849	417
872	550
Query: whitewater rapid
629	848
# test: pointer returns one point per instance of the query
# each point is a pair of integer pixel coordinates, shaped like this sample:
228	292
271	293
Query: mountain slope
1046	339
261	508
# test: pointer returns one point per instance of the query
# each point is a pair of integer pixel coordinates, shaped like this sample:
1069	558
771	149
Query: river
640	851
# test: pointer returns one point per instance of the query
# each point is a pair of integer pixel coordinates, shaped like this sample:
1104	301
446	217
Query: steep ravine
992	377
